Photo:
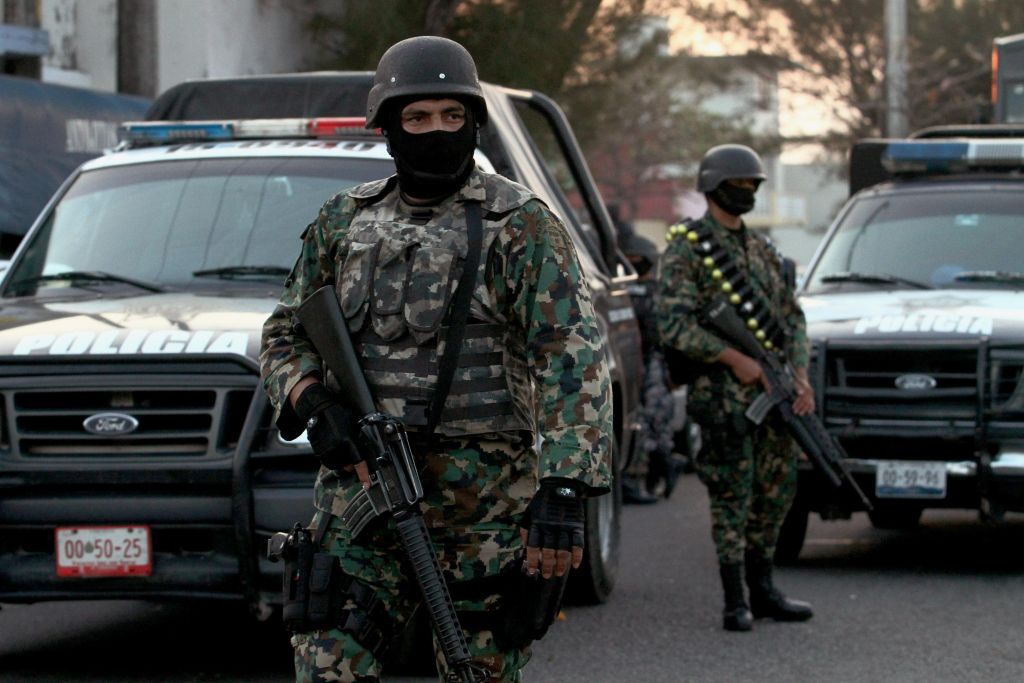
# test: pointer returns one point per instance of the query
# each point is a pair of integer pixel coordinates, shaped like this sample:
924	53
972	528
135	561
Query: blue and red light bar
169	132
953	156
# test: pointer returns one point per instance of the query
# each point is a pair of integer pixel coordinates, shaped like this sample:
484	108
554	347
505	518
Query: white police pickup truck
915	309
137	454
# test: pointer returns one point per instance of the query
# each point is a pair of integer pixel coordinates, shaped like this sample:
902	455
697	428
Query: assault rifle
395	486
823	450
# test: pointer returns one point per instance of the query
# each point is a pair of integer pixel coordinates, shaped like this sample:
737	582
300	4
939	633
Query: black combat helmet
429	66
728	162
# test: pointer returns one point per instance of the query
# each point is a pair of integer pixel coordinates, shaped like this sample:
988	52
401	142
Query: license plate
908	479
90	551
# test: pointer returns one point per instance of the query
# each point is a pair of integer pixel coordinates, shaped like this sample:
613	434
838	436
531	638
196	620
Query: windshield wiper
874	278
78	276
988	276
228	272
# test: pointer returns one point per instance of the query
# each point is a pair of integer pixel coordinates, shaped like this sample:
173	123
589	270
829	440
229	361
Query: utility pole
896	68
136	47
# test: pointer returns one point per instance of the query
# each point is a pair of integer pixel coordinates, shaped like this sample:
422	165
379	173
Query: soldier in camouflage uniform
749	470
393	250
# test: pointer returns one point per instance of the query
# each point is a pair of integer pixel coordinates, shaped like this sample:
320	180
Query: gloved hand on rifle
330	426
552	528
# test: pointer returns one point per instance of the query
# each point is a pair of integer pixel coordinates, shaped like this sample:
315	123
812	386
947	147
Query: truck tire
592	583
792	534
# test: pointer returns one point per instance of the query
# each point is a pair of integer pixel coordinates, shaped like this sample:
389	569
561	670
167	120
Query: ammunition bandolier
734	283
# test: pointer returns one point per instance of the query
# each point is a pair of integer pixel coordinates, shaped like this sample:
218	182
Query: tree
639	133
839	49
540	40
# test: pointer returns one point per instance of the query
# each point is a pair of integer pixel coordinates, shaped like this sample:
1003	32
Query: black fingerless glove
330	426
554	518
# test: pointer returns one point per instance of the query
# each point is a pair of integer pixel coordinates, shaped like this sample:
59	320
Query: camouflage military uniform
749	471
532	312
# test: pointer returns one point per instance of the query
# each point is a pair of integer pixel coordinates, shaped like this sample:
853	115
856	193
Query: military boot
767	601
736	616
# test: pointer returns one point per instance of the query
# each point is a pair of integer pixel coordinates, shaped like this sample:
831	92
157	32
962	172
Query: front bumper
995	482
193	536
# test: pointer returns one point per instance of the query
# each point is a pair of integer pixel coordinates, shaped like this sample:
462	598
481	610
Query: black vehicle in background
137	454
914	305
46	131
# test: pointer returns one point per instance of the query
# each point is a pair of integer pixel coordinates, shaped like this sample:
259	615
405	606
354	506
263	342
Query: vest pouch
390	274
323	577
430	289
354	282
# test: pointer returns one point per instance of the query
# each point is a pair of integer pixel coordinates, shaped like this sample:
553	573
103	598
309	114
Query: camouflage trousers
750	474
475	490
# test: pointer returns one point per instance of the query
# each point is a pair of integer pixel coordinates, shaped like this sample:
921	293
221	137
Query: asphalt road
942	603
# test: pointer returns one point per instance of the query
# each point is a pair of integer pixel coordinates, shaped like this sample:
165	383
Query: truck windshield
922	240
172	223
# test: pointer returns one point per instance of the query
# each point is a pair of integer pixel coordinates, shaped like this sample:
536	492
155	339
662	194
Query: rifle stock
321	318
395	486
808	431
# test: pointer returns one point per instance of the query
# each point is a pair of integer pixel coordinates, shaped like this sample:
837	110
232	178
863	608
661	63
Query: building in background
142	47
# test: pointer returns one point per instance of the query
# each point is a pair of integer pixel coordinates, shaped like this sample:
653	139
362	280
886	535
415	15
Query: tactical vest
396	284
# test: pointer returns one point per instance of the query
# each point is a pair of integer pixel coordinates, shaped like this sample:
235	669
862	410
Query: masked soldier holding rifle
471	321
749	469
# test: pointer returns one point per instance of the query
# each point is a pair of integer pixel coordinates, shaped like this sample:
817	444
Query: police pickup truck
915	309
138	458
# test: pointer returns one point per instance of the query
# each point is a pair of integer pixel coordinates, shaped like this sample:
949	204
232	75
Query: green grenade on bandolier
749	469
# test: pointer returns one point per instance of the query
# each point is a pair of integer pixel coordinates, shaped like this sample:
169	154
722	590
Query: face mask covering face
733	199
434	164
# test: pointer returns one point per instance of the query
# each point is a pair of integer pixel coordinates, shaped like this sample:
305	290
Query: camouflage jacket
685	286
529	281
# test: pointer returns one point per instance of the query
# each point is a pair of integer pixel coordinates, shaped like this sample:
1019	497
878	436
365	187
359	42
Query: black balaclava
435	164
733	199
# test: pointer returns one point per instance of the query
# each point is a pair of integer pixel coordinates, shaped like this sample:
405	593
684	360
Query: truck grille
1006	389
865	384
951	397
174	415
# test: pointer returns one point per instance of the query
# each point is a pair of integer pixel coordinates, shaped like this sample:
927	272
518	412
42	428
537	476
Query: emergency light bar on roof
139	133
953	156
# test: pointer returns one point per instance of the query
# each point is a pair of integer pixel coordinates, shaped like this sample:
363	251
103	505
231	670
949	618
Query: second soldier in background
749	470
